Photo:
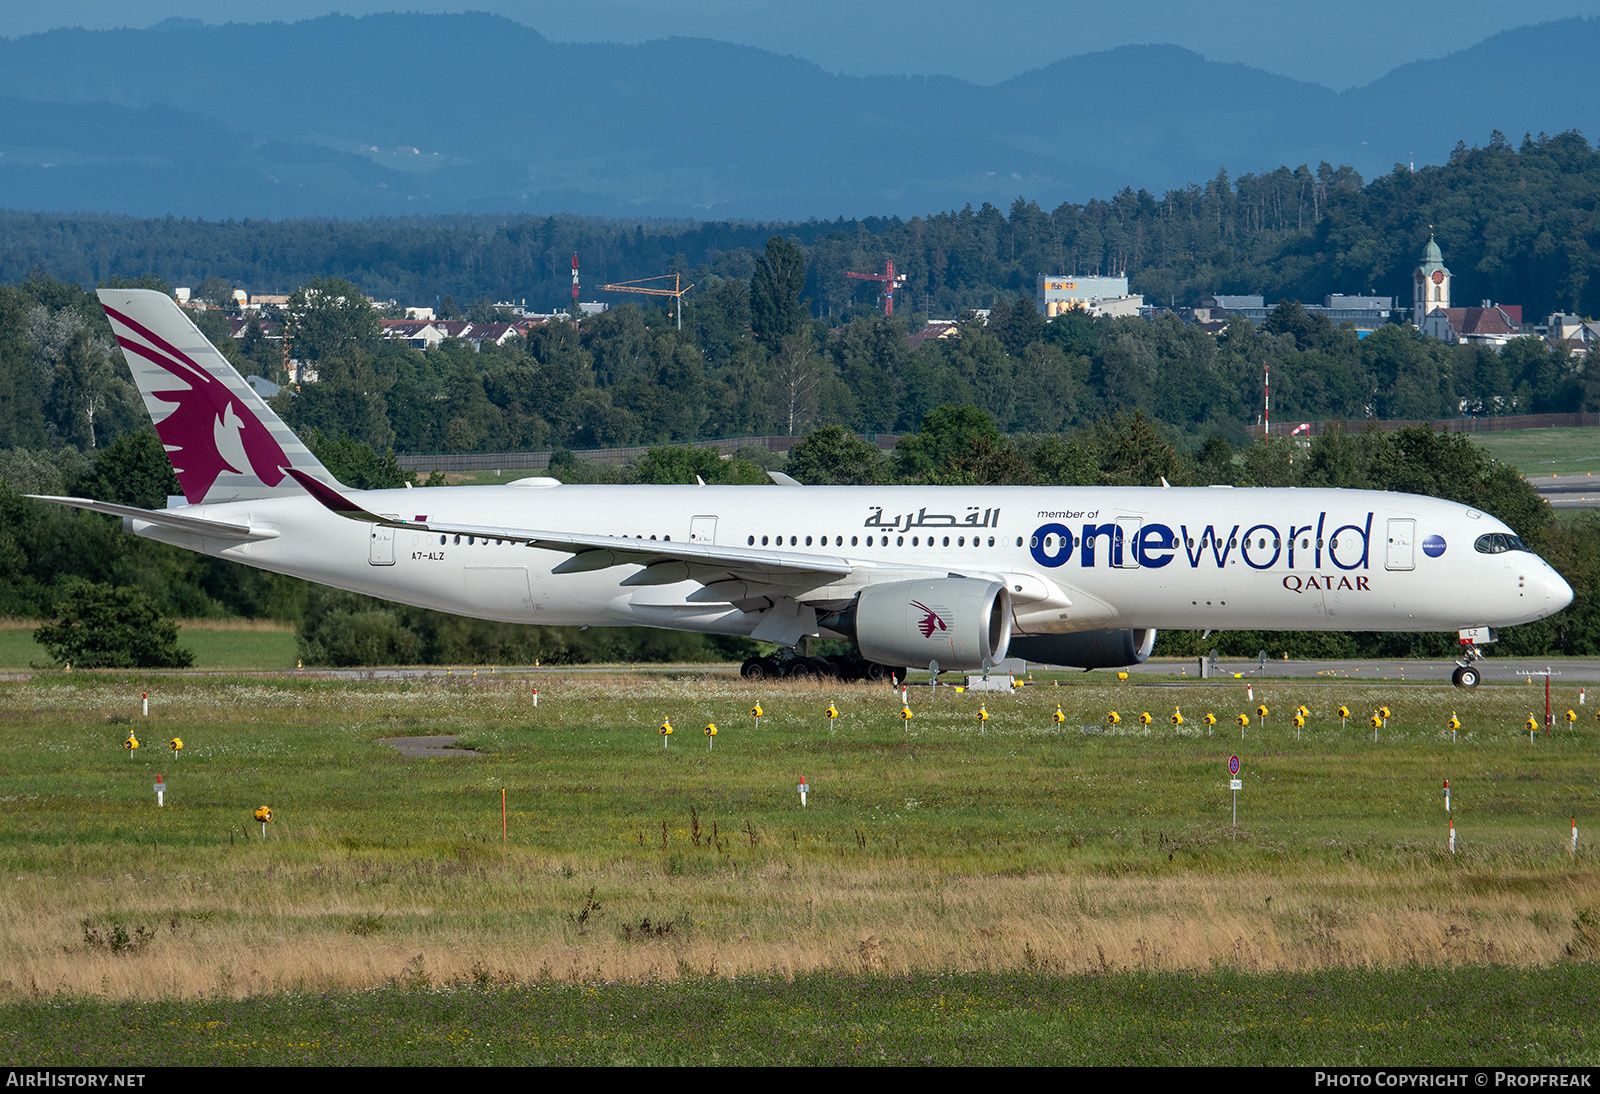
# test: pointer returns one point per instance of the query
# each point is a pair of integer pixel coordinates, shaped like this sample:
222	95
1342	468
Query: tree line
1517	223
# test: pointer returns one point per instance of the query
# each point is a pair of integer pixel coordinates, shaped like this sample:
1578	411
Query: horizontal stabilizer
165	518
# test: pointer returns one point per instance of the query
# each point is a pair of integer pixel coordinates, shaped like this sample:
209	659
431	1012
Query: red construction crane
889	279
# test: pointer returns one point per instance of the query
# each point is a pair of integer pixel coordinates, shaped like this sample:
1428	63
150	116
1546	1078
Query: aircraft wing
666	561
197	525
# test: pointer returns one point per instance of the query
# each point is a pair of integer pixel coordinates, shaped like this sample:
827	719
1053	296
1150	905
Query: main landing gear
790	667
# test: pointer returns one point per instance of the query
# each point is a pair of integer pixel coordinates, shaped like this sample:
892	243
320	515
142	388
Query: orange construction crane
640	286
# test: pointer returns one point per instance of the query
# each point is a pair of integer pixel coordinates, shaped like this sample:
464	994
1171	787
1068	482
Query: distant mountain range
403	114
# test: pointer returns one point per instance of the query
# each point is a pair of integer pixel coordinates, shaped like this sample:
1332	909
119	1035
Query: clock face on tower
1438	277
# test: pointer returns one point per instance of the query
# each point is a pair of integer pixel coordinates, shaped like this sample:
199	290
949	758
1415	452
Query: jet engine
962	623
1086	649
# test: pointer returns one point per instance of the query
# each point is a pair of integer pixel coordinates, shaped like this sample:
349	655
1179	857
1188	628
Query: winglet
332	500
783	480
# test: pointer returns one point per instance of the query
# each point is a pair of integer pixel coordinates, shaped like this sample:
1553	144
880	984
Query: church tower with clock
1430	288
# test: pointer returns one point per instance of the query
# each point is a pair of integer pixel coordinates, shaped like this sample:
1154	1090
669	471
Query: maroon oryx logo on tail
930	622
209	430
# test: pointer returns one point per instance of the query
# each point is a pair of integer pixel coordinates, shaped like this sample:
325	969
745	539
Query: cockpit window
1497	543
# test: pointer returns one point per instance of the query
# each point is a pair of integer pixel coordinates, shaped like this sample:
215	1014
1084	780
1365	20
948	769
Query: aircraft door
1122	554
703	530
1402	553
381	546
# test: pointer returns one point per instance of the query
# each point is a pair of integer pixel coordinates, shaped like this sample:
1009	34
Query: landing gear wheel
1465	677
758	668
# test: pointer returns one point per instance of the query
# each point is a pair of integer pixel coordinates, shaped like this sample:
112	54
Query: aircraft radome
958	577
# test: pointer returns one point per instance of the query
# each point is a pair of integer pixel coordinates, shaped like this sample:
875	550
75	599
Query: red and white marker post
1450	815
802	789
145	700
161	803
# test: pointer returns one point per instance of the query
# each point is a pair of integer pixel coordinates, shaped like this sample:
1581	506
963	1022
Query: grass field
222	644
1544	451
1417	1016
1532	451
935	859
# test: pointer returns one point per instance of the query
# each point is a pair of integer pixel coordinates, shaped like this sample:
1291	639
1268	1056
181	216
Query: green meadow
1017	889
226	645
1544	452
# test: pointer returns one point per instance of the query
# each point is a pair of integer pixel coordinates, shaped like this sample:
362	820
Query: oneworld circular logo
1433	546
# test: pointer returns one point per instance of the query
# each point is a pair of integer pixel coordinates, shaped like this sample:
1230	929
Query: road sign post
1235	784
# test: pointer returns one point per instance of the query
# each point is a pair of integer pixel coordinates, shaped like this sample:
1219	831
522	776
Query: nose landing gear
1467	674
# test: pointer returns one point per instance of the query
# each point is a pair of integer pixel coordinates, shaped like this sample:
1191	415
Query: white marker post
145	697
1250	692
535	696
802	789
1447	795
1574	836
1452	835
161	803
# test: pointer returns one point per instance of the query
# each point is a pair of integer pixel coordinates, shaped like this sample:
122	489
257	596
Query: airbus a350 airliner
954	577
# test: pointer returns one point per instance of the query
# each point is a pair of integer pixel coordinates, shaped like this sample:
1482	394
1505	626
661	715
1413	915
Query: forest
1518	224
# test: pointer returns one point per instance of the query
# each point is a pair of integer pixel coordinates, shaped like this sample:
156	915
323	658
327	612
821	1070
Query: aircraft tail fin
224	442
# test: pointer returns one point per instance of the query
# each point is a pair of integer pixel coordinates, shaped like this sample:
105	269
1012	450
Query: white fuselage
1074	558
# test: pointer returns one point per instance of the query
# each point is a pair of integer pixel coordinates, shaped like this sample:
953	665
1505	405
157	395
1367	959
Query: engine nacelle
1086	649
962	623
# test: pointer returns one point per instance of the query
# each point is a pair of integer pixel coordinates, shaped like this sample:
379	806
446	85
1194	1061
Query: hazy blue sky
1339	45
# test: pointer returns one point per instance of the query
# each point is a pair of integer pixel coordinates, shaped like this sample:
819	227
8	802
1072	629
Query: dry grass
274	626
258	931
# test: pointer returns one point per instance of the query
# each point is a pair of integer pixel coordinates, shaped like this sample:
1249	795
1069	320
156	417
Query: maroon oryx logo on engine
930	622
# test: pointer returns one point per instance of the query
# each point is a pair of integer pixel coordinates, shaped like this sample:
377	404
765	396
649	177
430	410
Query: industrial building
1095	295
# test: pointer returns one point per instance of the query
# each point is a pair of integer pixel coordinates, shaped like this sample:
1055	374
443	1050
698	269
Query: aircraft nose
1557	593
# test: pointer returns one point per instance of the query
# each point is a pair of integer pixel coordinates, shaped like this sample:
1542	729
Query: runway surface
1568	491
1493	670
